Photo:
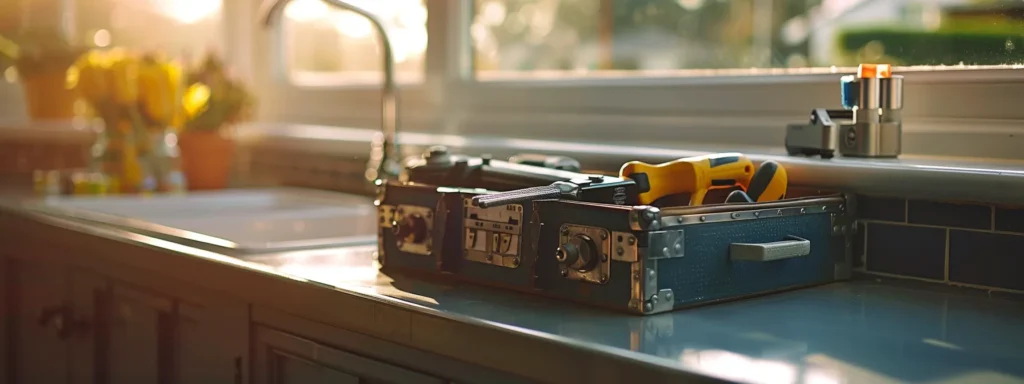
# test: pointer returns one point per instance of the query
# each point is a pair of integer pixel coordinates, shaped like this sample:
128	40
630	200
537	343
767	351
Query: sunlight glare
187	11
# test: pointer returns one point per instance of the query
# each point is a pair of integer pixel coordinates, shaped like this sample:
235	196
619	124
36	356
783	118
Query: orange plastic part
868	71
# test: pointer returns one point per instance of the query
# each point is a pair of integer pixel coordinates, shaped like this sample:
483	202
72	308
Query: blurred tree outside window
325	45
592	37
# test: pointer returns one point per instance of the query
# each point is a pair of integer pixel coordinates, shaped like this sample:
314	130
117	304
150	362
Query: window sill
928	177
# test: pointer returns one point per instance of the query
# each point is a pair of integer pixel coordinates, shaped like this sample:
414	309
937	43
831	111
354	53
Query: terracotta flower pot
206	158
47	96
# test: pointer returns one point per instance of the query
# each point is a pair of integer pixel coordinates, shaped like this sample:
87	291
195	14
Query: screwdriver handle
555	190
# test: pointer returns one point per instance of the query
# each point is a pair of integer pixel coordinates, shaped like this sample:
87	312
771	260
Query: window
184	29
535	38
328	46
731	73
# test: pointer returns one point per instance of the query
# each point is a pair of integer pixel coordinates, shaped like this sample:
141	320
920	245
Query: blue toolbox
603	240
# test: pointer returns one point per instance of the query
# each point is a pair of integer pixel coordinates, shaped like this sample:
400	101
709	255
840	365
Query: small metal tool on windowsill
870	125
384	161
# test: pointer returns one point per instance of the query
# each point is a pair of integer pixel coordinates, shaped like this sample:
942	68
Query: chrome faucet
384	154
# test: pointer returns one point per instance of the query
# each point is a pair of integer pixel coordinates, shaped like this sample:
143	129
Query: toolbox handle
791	247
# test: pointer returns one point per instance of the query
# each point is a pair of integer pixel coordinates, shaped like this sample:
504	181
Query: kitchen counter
854	332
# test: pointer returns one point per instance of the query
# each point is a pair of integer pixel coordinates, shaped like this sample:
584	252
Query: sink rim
49	206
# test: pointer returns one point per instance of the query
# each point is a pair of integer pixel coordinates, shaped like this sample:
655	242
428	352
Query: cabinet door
285	359
89	298
160	334
41	321
140	337
6	317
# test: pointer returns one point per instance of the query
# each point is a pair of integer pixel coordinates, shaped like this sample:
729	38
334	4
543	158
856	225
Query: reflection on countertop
856	332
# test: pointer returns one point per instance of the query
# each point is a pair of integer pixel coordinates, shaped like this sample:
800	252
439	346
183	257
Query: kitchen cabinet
41	321
282	358
71	325
290	349
5	317
161	331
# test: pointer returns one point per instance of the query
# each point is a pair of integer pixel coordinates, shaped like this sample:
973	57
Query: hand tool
769	183
738	196
694	175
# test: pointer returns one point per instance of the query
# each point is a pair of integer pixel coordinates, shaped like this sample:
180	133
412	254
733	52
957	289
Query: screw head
565	231
703	219
757	214
604	257
735	215
619	251
636	275
604	235
632	240
668	295
648	307
678	247
515	262
604	278
654	299
679	219
650	273
564	272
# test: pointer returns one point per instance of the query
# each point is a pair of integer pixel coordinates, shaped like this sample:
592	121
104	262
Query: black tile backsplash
906	250
881	208
949	214
977	244
1010	220
985	258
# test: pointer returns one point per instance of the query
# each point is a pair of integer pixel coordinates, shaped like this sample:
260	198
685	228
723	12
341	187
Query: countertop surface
853	332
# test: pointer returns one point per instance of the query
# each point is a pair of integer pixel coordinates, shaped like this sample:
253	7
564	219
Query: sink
243	220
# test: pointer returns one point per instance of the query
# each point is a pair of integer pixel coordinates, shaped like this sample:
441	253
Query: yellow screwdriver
694	175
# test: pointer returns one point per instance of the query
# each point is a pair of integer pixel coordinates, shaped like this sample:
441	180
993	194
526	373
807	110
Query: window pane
587	37
179	28
327	45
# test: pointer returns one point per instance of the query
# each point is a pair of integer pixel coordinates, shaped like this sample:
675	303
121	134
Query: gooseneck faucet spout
383	162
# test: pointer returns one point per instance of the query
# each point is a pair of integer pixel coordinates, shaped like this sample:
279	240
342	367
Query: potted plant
42	60
214	103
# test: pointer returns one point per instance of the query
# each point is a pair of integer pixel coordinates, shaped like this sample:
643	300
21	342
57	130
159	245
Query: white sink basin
254	220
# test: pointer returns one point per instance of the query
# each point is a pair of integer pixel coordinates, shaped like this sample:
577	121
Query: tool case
647	260
627	257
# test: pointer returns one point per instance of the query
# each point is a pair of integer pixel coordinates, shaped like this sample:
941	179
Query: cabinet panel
39	305
167	331
282	359
89	297
140	329
5	317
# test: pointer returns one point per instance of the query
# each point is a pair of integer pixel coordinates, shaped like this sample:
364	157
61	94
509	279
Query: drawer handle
791	247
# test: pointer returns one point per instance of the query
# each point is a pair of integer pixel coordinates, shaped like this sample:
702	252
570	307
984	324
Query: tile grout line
950	283
945	274
942	227
894	275
906	211
864	255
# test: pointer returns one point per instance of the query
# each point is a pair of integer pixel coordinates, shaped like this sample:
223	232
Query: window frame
975	104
